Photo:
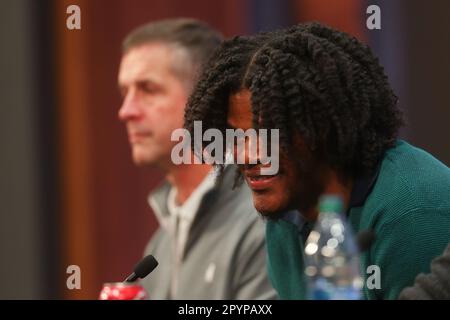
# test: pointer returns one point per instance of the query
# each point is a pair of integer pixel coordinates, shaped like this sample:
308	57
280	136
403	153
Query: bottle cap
330	203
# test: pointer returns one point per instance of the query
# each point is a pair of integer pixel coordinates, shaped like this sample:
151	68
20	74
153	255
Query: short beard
312	173
310	170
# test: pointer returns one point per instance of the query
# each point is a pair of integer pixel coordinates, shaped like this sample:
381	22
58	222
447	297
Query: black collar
362	187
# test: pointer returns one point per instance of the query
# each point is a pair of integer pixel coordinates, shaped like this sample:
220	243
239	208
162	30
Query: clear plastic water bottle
332	266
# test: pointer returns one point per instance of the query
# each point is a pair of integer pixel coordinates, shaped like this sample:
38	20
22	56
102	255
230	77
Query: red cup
123	291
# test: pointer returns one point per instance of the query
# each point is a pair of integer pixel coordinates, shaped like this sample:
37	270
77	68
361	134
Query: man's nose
130	108
248	153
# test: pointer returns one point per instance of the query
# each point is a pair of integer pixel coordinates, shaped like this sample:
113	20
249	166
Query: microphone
143	268
364	239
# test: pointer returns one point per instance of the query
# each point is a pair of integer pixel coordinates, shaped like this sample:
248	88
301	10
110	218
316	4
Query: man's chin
268	209
141	160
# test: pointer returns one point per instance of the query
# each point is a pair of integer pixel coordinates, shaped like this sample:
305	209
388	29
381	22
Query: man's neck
336	187
186	178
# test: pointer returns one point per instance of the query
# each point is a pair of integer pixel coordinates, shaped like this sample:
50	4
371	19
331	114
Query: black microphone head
145	266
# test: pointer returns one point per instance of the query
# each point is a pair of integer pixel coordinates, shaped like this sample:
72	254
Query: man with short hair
210	244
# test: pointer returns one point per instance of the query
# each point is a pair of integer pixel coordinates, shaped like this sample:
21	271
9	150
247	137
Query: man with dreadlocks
338	123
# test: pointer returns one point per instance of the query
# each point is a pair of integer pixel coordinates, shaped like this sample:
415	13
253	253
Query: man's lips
136	137
256	181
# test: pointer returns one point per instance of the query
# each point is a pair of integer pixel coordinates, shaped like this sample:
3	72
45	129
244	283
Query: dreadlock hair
225	69
310	80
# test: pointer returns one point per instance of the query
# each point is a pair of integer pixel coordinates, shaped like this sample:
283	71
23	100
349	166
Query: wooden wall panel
106	219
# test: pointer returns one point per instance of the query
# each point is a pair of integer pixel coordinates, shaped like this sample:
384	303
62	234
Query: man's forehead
239	109
139	61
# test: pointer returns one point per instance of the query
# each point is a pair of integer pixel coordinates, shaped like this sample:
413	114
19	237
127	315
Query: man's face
299	181
153	102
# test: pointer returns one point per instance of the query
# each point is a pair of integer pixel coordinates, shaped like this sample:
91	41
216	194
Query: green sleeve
405	247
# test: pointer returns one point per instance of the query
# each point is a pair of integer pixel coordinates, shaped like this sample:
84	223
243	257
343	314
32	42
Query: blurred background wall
70	193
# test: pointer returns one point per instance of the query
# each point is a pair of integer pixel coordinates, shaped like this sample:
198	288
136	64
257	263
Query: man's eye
147	88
